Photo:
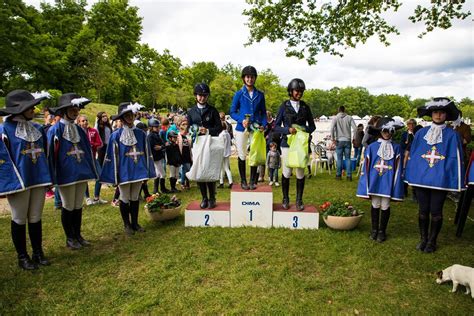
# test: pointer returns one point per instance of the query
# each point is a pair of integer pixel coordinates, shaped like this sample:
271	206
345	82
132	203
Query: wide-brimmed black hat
440	104
385	124
18	101
123	109
70	100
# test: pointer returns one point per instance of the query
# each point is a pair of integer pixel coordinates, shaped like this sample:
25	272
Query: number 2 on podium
206	220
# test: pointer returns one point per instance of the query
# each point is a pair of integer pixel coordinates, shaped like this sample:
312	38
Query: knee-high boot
77	215
242	173
211	186
299	194
173	185
205	199
375	218
423	224
67	221
19	241
35	231
134	207
384	217
253	178
436	224
285	188
156	184
125	213
163	186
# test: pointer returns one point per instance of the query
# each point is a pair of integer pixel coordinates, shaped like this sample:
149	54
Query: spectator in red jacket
96	143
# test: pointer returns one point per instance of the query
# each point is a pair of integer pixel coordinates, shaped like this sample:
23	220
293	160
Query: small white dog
459	275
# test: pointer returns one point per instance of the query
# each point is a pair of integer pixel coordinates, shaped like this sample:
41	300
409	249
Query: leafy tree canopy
312	27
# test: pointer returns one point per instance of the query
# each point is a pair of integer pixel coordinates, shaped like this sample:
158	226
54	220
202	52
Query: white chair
318	159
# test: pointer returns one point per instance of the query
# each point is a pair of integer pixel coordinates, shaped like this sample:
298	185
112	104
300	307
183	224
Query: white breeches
27	205
242	140
160	169
380	202
174	172
225	169
72	196
287	171
130	191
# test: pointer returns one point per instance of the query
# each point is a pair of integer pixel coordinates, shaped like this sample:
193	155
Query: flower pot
342	223
164	214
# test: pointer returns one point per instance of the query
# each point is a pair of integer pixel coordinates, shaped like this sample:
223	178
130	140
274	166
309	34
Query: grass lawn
178	270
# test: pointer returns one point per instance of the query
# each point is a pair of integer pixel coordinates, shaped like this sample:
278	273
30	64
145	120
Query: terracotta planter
165	214
342	223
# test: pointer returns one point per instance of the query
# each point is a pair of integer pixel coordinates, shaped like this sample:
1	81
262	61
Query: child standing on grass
435	166
273	164
381	175
128	163
184	143
173	159
225	169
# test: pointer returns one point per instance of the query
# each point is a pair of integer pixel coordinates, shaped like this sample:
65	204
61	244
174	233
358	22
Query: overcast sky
441	64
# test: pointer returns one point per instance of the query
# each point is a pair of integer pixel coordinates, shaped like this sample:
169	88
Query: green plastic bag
298	152
257	154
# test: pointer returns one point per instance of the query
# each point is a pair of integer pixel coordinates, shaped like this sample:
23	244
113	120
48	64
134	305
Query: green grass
92	109
178	270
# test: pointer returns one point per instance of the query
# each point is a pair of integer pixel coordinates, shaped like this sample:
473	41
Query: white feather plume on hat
42	94
79	101
135	107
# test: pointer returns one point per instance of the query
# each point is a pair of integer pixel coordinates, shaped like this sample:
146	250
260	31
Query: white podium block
251	207
194	216
293	219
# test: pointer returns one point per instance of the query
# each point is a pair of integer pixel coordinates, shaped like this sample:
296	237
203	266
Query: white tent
323	118
398	118
366	117
356	117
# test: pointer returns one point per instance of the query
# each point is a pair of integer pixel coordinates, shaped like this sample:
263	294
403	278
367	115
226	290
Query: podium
252	208
293	219
219	216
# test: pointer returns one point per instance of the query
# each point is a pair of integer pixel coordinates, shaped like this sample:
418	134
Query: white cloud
442	63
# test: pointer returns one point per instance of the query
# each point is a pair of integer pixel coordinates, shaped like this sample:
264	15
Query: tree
222	92
311	27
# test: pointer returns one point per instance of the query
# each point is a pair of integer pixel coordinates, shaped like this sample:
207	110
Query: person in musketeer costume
72	165
435	166
128	162
381	177
293	112
207	118
248	107
24	173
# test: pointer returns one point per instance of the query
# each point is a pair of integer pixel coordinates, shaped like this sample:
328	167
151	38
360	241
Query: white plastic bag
208	154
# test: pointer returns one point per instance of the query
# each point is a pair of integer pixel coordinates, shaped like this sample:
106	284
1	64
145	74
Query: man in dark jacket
207	118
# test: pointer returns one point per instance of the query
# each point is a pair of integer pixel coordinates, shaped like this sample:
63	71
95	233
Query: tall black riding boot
211	186
125	213
384	217
35	231
285	188
436	223
19	241
242	173
156	184
299	194
77	215
253	178
146	193
423	224
163	186
375	217
67	221
173	185
205	200
134	207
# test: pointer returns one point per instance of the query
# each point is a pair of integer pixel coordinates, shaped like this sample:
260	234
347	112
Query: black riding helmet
249	70
202	89
296	84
